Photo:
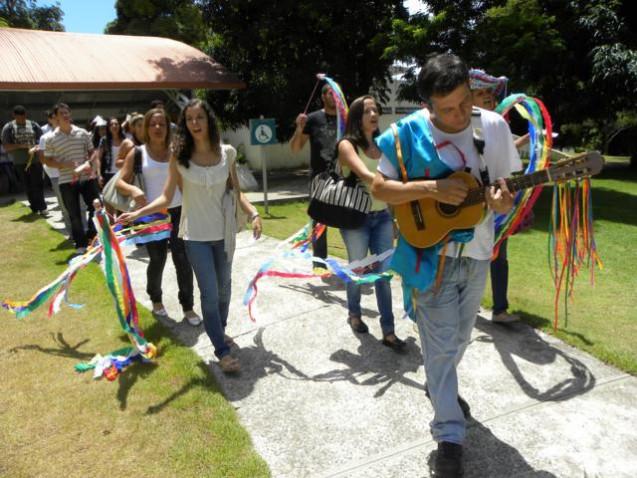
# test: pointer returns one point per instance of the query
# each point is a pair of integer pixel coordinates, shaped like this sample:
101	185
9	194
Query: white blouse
204	187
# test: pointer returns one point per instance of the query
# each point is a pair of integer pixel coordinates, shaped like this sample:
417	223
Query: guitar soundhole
447	210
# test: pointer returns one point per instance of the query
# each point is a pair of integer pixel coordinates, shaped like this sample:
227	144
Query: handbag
113	197
338	201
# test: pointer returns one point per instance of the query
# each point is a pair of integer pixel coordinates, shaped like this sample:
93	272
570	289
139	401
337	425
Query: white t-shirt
50	172
155	174
501	158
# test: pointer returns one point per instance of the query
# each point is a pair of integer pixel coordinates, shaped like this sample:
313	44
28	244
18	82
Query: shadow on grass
61	349
484	454
541	322
63	245
28	218
519	340
608	204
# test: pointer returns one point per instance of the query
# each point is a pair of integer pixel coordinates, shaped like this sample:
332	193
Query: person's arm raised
299	138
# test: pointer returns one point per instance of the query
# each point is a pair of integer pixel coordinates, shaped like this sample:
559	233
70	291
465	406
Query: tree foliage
579	57
177	19
278	47
29	15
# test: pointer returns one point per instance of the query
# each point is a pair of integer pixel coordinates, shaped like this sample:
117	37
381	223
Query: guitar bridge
419	220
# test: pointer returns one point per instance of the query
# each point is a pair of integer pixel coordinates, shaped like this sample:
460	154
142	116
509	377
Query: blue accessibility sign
262	131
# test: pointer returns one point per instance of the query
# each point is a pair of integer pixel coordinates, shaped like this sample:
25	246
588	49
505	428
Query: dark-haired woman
108	149
358	153
202	167
155	155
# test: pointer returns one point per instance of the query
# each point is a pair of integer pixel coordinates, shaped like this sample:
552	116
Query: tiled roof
39	60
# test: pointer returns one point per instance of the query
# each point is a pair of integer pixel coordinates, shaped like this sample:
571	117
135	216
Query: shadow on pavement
258	362
485	455
321	291
375	365
520	340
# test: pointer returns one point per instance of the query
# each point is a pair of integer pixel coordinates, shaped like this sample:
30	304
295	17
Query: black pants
33	180
157	253
9	182
71	193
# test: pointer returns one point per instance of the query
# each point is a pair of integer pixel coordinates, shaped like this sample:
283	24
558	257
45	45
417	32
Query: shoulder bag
113	197
338	201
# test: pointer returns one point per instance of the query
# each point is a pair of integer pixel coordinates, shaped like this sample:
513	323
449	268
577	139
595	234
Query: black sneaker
464	406
448	460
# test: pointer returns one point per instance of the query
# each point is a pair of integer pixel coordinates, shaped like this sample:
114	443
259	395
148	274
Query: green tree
278	47
27	14
578	57
177	19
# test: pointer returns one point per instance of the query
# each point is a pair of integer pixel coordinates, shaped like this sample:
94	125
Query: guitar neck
476	195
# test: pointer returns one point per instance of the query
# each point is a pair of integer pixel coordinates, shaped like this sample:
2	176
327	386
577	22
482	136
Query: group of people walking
188	171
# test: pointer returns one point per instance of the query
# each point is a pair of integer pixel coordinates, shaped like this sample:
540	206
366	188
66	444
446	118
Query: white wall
279	156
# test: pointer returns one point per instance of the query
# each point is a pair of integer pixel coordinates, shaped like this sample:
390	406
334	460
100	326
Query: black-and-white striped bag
337	201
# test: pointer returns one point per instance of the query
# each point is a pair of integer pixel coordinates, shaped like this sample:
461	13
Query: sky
85	16
91	16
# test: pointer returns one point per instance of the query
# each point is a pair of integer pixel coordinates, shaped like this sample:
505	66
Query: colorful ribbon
292	261
147	228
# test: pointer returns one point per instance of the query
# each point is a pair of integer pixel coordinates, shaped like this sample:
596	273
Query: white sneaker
505	318
159	311
192	318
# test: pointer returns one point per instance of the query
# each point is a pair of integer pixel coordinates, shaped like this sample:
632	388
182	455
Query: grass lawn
167	419
602	320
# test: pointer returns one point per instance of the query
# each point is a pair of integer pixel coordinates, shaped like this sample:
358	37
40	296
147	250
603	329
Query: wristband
254	216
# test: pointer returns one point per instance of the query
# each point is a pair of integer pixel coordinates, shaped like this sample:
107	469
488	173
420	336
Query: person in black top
320	128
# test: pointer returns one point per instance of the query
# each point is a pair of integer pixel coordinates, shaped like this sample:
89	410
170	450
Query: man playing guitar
430	144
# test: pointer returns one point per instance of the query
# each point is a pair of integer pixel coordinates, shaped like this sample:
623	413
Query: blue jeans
376	235
500	280
213	272
445	320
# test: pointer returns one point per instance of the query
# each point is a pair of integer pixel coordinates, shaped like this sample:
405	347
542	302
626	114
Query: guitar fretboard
476	195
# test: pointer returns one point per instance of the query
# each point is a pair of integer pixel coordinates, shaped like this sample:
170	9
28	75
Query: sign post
263	132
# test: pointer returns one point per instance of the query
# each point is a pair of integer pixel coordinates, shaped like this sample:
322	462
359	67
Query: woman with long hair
358	154
205	171
108	149
154	155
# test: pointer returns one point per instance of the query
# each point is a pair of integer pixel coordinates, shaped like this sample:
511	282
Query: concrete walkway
320	401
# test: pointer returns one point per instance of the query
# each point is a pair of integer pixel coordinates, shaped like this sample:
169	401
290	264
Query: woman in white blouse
205	171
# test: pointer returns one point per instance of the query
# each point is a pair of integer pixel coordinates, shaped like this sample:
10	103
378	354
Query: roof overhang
34	60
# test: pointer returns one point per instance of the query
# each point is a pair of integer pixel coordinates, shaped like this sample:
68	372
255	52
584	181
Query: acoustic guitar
426	222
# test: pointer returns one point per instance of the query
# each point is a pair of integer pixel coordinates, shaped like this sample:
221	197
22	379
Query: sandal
357	324
229	364
396	344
